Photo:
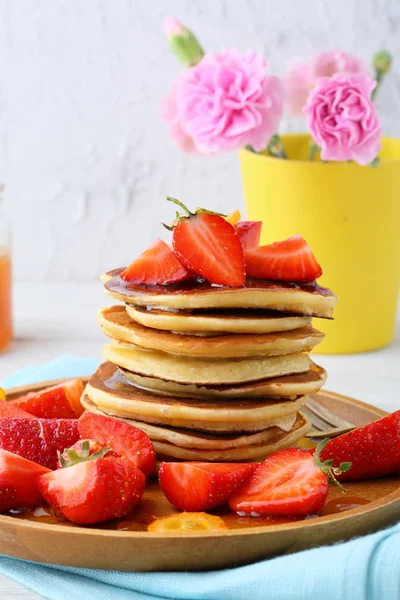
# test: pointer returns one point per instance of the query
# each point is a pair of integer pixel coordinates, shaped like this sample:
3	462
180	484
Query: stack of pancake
210	373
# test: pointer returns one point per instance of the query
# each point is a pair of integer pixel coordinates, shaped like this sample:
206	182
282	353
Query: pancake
289	386
114	395
239	321
117	324
189	369
186	438
303	299
251	452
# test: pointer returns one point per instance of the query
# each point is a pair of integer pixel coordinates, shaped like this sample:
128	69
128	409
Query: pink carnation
169	114
298	81
342	118
300	77
227	101
328	63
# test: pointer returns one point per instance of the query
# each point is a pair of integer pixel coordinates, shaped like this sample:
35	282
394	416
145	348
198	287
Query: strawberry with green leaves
291	482
373	449
94	489
208	246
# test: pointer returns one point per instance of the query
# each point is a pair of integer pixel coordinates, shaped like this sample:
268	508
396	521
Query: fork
325	424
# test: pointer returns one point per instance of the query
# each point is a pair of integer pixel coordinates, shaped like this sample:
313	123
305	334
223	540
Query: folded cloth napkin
366	568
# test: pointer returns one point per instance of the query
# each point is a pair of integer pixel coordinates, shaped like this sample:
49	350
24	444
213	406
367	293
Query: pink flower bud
173	27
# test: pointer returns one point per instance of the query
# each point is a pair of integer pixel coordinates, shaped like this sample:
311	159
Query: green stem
313	149
379	75
276	147
375	163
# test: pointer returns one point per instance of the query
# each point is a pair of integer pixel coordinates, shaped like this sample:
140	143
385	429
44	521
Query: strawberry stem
327	465
179	203
74	458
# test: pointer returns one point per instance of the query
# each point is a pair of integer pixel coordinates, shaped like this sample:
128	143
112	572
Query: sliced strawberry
93	491
18	482
373	449
158	265
290	260
290	482
56	402
249	233
8	409
209	246
38	440
121	437
83	450
199	486
74	389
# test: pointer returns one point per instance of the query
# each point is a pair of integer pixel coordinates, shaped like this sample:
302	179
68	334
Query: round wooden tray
132	548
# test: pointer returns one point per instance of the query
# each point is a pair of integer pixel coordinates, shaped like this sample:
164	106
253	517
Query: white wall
85	159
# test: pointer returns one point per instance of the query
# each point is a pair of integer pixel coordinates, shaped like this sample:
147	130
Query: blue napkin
366	568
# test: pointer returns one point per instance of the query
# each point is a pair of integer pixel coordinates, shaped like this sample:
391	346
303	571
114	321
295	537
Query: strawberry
8	409
56	402
82	450
126	440
38	439
249	233
94	490
157	265
290	482
18	482
290	260
373	449
199	486
208	245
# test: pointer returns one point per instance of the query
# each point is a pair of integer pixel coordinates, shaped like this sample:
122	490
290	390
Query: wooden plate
131	548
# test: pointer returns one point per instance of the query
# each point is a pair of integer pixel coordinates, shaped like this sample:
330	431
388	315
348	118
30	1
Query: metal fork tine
317	423
323	413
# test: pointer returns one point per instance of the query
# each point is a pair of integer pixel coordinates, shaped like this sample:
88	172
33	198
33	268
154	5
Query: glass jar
6	330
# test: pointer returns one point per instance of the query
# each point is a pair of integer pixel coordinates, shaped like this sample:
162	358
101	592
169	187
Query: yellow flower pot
350	216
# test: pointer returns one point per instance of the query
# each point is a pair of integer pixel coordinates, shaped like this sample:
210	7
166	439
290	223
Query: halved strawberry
8	409
38	440
290	260
249	233
121	437
57	402
290	482
373	449
83	450
93	491
157	265
208	245
199	486
18	481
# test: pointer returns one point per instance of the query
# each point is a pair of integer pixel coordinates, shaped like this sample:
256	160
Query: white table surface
54	319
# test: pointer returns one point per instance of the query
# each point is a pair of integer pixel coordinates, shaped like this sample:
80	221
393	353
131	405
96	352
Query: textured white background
84	156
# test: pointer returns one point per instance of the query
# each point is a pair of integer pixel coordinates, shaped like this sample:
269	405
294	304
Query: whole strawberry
38	440
373	449
94	490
